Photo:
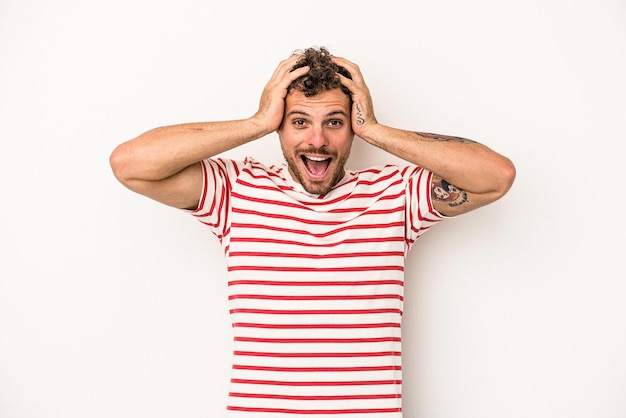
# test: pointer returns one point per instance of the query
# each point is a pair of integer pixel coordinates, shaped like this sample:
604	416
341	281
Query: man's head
316	133
322	75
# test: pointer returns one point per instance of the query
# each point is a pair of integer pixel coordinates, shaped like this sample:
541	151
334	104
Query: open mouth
317	166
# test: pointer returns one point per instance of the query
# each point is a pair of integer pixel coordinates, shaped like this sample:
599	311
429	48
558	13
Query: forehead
329	101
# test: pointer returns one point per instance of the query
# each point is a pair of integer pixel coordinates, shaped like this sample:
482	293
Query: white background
112	305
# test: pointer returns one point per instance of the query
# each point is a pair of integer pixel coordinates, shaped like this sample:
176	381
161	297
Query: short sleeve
420	213
214	204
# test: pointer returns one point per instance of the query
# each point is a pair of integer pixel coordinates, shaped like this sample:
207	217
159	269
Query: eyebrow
303	113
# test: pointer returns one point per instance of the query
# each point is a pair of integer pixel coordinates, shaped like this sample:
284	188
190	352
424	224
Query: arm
164	163
466	174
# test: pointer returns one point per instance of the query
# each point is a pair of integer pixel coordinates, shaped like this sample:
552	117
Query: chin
316	188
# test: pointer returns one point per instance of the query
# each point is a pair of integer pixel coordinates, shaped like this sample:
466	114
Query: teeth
317	158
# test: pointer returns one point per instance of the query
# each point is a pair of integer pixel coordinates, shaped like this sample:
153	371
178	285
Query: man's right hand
272	103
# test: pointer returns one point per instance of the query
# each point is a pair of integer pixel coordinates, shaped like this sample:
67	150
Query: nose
317	138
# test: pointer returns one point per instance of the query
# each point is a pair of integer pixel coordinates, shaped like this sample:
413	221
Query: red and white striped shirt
315	285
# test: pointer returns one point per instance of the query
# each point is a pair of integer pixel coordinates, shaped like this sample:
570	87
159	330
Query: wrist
370	133
259	127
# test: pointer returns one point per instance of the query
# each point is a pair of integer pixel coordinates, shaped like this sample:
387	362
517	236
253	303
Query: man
315	252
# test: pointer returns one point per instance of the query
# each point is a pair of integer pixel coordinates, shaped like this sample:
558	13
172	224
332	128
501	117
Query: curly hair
323	73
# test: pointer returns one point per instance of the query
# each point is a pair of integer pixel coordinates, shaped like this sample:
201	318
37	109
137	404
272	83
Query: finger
286	65
349	84
356	84
354	69
286	68
290	75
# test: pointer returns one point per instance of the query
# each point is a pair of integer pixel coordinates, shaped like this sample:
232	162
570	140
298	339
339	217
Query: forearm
162	152
466	164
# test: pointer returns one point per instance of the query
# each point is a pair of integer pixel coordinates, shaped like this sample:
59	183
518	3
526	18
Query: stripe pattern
315	285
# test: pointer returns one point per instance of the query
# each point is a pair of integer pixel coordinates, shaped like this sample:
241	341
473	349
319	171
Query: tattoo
442	138
445	192
359	115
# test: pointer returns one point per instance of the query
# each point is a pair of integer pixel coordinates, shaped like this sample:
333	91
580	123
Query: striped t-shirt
315	285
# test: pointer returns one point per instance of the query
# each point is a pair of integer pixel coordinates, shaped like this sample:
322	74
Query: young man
315	252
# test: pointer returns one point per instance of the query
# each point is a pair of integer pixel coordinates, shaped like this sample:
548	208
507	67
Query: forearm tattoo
359	115
443	138
443	191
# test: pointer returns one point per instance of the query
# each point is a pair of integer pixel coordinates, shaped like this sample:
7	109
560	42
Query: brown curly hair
323	73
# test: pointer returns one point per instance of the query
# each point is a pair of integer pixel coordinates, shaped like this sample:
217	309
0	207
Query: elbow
118	161
506	176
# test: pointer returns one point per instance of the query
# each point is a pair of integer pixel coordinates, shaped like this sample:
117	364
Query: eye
299	123
335	123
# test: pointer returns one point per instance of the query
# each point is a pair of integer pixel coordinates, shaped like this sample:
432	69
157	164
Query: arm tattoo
444	138
443	191
359	115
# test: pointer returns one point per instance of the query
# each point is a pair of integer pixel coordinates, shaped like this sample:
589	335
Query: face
316	137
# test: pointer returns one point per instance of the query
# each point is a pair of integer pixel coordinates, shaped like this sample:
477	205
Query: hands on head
272	103
271	106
